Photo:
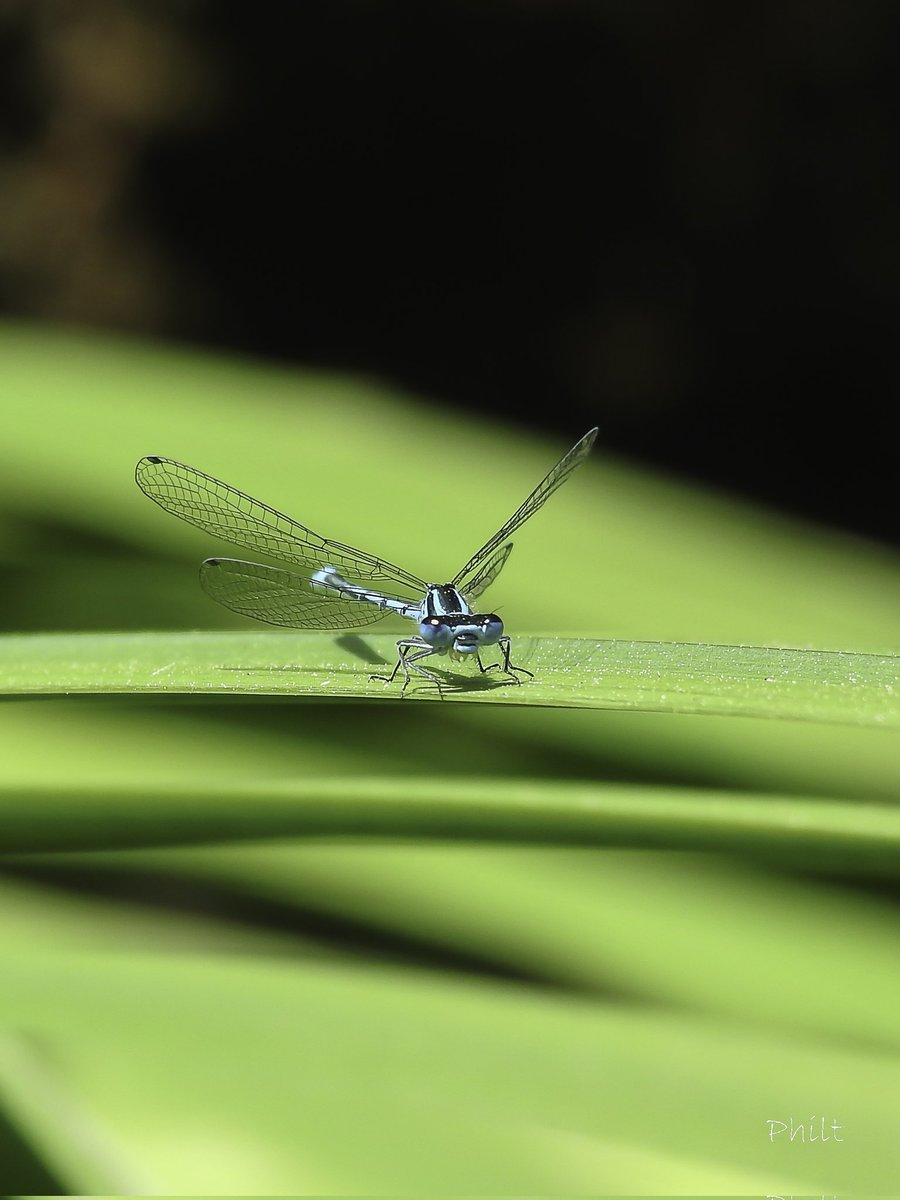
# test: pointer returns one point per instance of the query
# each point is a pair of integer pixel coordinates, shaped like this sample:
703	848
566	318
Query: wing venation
226	513
541	494
283	598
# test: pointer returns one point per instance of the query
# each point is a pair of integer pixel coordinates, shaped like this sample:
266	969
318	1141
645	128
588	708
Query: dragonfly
341	587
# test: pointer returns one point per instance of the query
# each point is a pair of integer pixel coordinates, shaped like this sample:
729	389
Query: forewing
226	513
529	507
486	574
283	598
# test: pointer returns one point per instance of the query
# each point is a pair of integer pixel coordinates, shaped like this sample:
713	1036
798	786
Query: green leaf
554	812
70	1137
569	672
654	1008
218	1076
607	922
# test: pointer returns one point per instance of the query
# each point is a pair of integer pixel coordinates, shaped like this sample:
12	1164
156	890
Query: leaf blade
818	685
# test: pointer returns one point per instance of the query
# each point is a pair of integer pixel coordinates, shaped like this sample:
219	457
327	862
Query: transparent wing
227	513
529	507
485	576
283	598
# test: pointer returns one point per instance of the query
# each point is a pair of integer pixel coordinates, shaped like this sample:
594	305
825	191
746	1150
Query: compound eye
435	632
491	629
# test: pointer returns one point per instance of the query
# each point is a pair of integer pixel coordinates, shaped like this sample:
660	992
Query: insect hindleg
408	650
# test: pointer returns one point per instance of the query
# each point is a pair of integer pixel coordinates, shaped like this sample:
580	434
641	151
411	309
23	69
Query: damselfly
343	588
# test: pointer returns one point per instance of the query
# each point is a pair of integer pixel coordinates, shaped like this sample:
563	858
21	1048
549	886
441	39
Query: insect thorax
442	599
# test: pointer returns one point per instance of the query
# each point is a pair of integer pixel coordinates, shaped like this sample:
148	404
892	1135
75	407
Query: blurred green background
380	265
346	1015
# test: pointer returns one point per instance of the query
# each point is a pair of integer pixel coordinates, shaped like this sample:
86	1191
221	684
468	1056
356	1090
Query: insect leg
506	665
408	650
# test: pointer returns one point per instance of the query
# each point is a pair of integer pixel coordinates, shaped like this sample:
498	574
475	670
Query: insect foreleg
506	666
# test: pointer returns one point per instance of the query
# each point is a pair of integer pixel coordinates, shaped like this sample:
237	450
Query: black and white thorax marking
448	625
340	587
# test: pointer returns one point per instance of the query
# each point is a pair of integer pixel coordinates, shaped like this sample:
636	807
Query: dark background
677	220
